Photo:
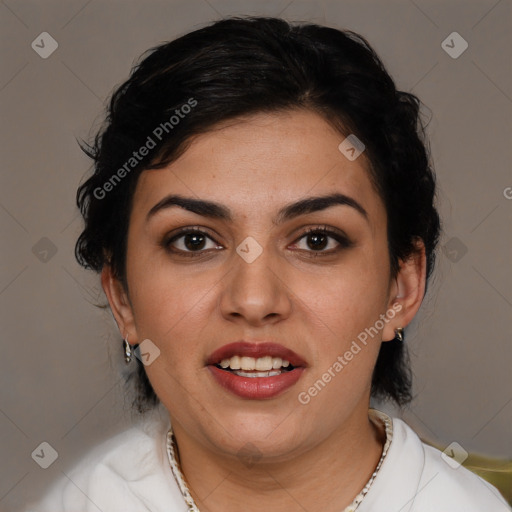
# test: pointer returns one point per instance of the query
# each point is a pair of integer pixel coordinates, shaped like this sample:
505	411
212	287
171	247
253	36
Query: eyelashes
196	242
194	236
324	233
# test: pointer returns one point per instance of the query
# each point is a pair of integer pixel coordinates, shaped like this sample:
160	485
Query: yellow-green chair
497	472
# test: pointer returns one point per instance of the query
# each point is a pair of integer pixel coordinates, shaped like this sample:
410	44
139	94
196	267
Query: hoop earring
127	351
399	333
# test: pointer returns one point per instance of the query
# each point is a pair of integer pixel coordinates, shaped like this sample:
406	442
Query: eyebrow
218	211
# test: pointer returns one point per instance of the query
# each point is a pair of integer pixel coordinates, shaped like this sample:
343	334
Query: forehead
261	160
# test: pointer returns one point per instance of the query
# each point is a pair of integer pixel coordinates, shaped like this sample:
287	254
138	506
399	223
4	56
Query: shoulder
128	472
416	477
454	485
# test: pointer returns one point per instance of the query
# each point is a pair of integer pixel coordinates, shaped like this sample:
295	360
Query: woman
262	215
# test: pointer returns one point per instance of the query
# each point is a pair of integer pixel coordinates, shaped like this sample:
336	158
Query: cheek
346	297
166	306
172	315
342	307
341	310
173	307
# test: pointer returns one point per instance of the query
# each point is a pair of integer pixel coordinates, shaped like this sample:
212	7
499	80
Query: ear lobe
408	291
119	303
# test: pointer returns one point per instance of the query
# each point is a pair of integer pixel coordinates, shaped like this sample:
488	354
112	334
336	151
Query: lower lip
256	388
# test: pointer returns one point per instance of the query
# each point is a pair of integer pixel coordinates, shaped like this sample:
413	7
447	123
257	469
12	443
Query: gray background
60	378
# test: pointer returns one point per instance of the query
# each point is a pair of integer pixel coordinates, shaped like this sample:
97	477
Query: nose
256	293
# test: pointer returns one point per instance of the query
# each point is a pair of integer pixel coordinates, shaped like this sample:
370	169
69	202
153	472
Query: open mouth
252	367
255	371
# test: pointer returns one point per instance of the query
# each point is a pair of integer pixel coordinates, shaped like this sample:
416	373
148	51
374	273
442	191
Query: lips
256	350
251	384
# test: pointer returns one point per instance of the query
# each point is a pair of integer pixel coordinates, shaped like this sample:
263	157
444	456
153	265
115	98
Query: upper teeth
250	363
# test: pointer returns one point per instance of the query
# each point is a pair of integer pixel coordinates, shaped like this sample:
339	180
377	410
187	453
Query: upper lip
256	350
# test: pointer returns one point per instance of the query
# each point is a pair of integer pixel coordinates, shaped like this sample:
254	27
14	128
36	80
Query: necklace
388	426
192	507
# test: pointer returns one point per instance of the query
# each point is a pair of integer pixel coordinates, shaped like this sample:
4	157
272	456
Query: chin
259	436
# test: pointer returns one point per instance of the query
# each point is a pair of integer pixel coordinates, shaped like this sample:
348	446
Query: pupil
194	241
318	241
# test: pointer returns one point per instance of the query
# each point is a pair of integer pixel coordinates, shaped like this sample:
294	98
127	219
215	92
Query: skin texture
315	305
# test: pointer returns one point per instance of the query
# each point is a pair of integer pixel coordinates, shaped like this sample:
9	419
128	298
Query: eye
190	240
322	240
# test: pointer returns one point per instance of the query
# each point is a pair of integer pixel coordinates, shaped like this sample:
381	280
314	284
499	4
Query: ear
407	291
119	304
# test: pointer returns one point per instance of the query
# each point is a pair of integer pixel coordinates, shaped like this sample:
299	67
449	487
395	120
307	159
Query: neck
347	457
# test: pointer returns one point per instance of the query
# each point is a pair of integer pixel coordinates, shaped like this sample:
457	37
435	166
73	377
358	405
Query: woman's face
251	273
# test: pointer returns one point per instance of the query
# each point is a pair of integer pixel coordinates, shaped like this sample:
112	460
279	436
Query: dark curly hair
241	66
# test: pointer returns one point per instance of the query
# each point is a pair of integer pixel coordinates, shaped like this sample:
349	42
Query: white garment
130	473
